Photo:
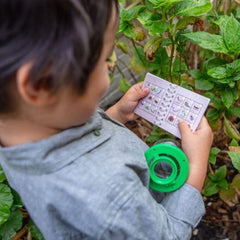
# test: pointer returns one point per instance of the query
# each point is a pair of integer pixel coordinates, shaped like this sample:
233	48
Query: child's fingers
138	92
203	123
184	128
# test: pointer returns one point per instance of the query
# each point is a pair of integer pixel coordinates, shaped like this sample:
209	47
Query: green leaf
152	22
208	41
223	184
234	143
2	175
195	73
8	229
235	157
157	27
185	85
229	196
231	129
219	174
124	85
236	182
126	16
152	46
235	65
213	155
227	97
221	22
132	13
210	189
35	231
183	22
128	32
217	72
234	111
17	202
161	3
213	62
152	139
213	114
231	35
214	100
122	45
6	201
204	85
193	8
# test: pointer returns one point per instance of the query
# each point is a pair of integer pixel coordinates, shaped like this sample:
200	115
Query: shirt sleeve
141	217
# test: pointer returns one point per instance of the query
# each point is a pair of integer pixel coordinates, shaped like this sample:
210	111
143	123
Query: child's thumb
183	128
139	93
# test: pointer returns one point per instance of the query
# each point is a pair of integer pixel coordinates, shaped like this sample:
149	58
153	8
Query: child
80	173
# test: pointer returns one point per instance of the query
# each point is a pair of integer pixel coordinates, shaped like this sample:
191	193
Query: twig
138	53
210	168
120	71
133	4
129	70
21	233
171	57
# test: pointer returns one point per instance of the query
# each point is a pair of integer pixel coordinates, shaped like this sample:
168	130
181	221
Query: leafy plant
216	181
160	34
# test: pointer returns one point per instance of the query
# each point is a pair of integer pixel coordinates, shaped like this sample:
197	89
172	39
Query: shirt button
96	133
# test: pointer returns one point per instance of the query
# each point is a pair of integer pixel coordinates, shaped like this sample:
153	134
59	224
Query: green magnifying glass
168	166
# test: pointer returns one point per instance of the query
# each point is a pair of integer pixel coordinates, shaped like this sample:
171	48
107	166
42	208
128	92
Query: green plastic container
167	154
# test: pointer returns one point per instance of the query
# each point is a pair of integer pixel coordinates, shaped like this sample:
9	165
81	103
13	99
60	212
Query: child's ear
33	95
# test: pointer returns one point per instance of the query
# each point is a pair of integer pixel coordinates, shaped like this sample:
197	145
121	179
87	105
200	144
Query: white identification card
167	103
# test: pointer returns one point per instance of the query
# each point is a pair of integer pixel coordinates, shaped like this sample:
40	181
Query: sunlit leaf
227	97
229	196
211	188
231	129
218	72
14	223
124	85
231	35
122	45
208	41
183	22
219	174
193	8
236	182
235	157
213	155
6	201
223	184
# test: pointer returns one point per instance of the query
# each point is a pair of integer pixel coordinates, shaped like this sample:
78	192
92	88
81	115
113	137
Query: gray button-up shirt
77	185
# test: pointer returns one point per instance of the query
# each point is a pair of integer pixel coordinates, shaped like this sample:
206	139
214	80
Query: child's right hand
196	145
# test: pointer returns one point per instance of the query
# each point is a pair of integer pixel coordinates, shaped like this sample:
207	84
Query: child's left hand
123	110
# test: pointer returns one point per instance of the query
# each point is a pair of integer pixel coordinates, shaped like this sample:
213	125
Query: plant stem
180	68
139	55
120	71
171	56
210	168
129	70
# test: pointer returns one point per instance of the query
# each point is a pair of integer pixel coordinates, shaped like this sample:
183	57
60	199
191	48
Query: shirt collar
53	153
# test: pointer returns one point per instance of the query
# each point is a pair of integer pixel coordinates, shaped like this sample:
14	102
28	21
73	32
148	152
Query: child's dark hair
61	38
